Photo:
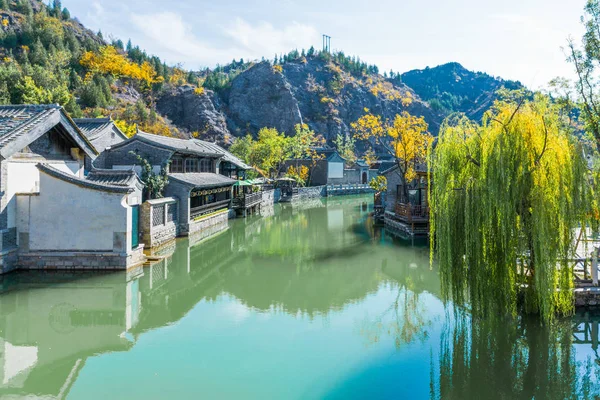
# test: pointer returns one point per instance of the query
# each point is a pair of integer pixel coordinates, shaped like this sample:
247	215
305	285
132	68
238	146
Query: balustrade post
595	266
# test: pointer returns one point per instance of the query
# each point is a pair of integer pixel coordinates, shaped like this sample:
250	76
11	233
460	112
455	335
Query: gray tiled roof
93	127
22	124
194	146
180	145
227	156
17	120
102	132
114	177
421	167
202	179
105	187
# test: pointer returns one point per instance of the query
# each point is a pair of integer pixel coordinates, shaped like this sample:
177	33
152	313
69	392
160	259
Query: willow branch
539	157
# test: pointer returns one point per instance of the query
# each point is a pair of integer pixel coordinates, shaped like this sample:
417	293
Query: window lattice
172	212
158	215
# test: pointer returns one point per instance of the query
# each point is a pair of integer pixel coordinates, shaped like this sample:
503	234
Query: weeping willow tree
505	198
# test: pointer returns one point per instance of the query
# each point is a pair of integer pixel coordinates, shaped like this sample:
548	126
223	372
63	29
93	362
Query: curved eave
55	173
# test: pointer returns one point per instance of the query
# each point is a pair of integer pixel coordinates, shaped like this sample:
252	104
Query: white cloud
168	34
263	39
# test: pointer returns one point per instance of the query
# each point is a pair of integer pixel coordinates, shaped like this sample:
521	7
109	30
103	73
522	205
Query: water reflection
311	288
502	358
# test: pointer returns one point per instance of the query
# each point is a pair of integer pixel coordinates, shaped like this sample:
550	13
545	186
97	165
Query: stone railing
158	221
312	192
343	189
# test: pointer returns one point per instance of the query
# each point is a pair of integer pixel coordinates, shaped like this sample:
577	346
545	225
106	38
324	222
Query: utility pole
327	44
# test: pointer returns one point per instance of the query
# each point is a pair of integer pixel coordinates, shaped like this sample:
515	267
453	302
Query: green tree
242	147
346	147
505	199
268	153
4	93
585	60
154	184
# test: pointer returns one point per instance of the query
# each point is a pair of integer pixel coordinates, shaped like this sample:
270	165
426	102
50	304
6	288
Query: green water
310	302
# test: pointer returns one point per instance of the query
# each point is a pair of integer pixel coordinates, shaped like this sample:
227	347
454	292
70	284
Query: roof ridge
50	170
101	119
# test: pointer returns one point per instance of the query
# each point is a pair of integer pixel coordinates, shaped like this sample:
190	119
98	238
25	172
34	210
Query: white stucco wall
335	170
65	216
23	177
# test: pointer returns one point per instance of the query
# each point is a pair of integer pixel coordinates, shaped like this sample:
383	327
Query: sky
512	39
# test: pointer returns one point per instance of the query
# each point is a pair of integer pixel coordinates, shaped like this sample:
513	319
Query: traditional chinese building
406	209
51	216
201	175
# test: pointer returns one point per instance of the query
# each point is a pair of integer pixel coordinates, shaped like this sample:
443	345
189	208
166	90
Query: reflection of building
48	332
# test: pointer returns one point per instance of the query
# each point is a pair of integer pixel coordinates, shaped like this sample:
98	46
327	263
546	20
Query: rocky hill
313	90
453	88
318	91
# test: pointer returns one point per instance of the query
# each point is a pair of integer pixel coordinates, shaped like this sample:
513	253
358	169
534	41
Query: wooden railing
208	208
248	200
411	212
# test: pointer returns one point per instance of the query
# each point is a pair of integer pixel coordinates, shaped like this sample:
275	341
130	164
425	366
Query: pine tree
38	55
66	15
4	93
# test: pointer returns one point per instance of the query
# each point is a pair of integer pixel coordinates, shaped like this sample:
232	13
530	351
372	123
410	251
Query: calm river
309	302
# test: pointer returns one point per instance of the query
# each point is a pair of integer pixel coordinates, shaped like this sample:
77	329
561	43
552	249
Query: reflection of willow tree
503	358
404	319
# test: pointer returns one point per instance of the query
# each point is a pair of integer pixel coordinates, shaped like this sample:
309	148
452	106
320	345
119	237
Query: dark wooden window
206	165
176	165
191	165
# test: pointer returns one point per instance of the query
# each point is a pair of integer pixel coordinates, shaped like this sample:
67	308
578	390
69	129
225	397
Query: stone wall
208	226
158	221
312	192
268	197
219	219
393	180
80	260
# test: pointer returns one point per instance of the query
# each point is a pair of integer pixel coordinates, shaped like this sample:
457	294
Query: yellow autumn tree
405	138
108	60
178	77
300	174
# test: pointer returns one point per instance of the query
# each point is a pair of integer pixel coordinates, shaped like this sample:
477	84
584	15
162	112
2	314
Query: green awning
247	182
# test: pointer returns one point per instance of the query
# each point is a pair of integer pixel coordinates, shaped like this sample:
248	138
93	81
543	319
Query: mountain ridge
326	91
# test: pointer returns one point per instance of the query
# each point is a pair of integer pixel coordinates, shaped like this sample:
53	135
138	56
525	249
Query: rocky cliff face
262	97
321	94
195	113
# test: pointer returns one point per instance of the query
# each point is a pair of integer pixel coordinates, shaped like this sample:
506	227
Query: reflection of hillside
304	289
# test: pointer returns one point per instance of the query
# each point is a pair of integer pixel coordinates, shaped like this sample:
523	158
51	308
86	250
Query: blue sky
514	39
